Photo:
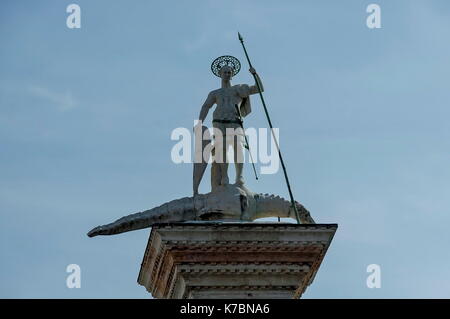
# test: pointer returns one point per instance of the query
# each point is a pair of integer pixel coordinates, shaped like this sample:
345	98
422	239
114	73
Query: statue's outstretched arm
210	100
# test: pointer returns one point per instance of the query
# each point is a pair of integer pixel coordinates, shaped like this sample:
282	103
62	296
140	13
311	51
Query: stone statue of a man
230	99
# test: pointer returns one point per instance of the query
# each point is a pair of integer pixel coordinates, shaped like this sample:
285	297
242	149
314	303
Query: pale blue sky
86	117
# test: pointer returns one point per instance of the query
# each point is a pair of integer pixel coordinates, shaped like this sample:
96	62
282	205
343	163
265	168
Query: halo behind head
225	60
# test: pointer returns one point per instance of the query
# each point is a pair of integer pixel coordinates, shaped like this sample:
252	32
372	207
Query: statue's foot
224	181
240	181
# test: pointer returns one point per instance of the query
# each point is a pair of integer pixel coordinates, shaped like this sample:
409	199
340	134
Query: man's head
226	72
225	67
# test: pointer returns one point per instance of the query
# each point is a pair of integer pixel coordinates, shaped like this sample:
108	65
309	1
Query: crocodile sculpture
227	203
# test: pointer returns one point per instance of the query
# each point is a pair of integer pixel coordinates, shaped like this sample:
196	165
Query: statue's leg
224	165
239	156
215	174
239	176
220	153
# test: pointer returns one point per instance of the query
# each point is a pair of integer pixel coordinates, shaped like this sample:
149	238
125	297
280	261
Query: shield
201	159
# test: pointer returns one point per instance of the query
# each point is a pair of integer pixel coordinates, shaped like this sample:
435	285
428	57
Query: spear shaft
273	134
241	123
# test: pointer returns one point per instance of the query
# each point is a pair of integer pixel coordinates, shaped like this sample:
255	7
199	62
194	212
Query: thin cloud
63	101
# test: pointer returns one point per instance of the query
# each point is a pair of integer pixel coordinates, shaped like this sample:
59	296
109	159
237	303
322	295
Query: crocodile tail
269	205
174	211
304	215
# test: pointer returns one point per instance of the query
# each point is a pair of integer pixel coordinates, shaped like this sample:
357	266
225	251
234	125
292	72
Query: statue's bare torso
226	99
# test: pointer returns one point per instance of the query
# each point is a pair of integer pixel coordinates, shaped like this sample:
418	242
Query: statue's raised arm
254	89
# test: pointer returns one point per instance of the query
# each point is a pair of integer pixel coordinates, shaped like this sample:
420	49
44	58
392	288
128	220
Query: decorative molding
217	257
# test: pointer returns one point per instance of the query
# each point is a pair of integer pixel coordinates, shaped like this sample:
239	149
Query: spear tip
240	37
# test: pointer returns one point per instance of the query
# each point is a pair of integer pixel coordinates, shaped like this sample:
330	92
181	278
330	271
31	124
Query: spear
273	134
247	146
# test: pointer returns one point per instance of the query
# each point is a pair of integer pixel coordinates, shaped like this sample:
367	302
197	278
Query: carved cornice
180	255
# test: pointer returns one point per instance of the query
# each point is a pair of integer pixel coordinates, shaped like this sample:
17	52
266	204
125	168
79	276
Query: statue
230	202
226	117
